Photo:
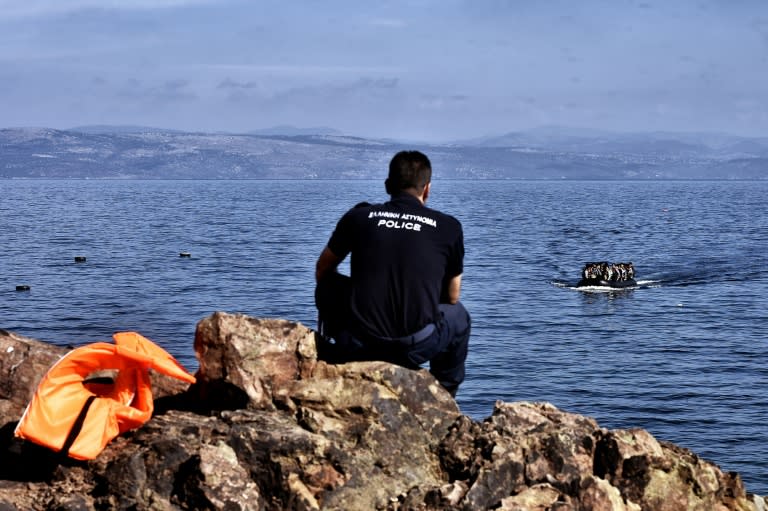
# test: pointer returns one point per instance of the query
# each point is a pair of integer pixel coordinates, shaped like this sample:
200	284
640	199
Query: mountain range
135	152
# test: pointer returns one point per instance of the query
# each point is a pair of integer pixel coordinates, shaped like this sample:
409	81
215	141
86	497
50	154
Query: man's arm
453	290
326	263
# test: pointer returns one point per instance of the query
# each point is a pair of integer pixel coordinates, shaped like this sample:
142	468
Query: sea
682	354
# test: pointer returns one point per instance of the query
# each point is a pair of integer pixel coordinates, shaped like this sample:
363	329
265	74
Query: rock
23	362
269	427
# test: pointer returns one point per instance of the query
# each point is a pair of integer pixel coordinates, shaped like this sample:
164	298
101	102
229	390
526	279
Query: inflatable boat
606	274
618	284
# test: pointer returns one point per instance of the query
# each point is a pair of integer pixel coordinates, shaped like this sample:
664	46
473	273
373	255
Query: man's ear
425	193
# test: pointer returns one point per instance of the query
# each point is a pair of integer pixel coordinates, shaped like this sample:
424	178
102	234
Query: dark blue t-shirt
402	256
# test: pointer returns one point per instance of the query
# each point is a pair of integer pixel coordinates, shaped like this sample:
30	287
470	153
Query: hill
101	152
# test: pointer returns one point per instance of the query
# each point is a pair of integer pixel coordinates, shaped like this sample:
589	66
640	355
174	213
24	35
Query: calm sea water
682	355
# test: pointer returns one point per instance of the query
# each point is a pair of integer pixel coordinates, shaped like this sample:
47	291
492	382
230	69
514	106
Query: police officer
400	303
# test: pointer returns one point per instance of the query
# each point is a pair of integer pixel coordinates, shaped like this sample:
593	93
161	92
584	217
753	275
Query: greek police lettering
394	220
385	214
422	219
396	224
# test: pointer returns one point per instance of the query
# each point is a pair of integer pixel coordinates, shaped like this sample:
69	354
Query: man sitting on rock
400	303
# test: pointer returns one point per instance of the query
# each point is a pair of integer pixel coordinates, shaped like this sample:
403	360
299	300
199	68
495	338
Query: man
400	303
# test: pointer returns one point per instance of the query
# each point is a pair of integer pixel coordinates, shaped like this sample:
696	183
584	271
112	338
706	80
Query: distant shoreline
42	153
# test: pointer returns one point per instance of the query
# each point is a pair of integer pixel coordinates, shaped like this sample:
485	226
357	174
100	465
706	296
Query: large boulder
23	362
268	426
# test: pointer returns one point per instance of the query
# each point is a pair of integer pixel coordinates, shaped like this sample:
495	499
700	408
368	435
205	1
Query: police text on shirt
393	220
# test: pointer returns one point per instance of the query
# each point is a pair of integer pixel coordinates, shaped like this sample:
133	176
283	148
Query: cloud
36	8
760	25
376	83
312	90
238	92
436	102
170	91
228	83
362	89
388	22
313	70
337	103
474	66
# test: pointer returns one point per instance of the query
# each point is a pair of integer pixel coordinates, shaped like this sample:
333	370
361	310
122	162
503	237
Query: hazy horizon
423	70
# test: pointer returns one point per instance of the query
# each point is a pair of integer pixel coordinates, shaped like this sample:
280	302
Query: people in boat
400	303
610	272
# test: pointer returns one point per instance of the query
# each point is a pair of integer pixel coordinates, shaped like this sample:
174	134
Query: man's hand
327	262
453	290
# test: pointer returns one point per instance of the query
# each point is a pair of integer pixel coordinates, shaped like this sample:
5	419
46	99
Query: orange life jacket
70	415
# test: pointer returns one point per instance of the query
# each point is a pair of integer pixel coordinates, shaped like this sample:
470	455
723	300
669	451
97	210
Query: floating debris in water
23	287
79	259
185	254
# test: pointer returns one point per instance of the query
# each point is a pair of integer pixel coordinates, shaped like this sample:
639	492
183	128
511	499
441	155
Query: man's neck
413	193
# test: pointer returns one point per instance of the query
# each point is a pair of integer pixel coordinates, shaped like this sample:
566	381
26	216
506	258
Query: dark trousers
445	347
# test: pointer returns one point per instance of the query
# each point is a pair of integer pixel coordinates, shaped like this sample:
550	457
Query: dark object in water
80	259
605	274
22	287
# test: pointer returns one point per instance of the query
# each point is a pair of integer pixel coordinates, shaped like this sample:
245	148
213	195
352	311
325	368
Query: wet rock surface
269	427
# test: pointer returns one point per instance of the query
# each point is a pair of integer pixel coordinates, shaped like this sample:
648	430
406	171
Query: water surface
682	355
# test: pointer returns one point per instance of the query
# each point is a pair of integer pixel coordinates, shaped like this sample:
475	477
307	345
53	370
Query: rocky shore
269	427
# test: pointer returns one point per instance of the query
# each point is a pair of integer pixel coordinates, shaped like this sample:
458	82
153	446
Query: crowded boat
604	273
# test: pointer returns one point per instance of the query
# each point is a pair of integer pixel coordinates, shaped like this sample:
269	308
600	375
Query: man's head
409	171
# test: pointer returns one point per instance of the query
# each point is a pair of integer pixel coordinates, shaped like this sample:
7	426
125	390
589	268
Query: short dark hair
408	169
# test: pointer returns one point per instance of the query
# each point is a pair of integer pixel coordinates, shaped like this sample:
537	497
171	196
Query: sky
432	70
